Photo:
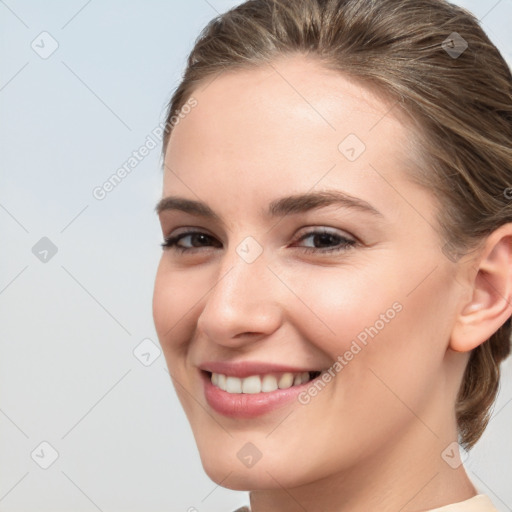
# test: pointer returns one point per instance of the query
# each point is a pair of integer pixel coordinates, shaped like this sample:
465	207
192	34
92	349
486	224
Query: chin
243	479
265	474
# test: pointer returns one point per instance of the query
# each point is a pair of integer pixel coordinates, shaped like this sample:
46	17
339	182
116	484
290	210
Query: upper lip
243	369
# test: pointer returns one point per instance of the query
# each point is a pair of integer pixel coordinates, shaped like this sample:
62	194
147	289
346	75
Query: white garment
478	503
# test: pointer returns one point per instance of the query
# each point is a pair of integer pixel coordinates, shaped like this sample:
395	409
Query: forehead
285	125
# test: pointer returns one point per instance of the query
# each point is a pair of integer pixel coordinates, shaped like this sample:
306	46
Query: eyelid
307	231
188	230
317	229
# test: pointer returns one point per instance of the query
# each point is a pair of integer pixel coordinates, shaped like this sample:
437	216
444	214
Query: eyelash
170	243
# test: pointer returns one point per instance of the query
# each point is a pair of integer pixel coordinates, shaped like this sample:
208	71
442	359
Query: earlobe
491	293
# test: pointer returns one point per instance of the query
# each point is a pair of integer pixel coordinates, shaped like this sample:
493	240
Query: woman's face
357	288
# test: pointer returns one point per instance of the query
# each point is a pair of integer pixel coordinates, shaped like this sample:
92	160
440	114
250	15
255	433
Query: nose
244	304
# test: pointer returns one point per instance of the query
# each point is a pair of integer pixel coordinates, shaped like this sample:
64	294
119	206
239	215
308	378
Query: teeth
286	381
233	385
269	383
258	384
251	384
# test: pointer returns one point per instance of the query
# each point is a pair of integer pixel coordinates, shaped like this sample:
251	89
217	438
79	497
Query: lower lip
248	405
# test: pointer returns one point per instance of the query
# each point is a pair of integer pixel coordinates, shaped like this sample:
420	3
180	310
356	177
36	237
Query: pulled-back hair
459	99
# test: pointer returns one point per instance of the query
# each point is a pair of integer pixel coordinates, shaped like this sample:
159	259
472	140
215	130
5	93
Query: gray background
69	325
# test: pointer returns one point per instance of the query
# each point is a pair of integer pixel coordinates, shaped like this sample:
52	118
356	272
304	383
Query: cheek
174	296
163	302
374	320
337	306
393	336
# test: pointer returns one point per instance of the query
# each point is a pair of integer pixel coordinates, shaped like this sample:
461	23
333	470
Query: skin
373	438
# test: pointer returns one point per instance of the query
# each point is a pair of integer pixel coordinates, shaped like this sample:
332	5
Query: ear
491	293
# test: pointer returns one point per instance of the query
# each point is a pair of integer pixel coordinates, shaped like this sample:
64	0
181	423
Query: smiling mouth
264	383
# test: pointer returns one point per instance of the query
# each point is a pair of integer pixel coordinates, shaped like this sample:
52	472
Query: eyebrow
298	203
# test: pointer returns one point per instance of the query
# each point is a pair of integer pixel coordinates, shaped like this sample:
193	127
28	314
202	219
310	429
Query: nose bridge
243	298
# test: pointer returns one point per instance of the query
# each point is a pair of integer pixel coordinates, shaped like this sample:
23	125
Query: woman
334	295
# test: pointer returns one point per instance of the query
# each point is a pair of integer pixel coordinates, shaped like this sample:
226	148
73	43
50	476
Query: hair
459	103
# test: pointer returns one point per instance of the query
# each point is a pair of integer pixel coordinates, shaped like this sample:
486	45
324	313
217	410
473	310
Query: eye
334	241
203	240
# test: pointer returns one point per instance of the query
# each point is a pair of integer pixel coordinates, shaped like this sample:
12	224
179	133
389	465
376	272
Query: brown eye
331	241
202	239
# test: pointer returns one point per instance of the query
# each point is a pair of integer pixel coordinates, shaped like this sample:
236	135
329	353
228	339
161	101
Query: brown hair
459	98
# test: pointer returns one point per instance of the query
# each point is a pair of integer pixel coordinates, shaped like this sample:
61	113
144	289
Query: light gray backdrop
84	389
